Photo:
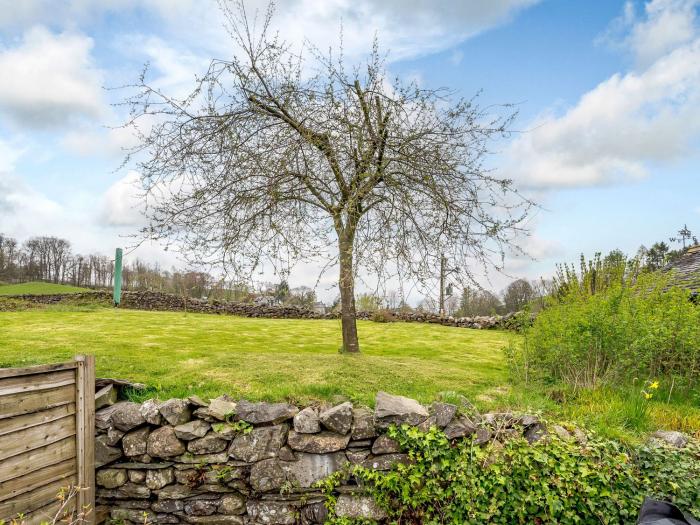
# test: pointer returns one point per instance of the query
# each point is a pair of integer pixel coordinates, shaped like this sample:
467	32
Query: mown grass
38	288
178	354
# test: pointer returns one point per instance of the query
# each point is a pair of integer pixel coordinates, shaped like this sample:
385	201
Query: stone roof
687	269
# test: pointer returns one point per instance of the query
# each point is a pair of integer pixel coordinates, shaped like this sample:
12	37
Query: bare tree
517	295
279	156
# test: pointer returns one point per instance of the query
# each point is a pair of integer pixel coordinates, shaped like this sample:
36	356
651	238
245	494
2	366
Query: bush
383	316
643	330
550	481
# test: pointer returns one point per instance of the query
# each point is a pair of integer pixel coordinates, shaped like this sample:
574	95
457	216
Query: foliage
383	316
475	301
517	295
550	481
367	302
627	329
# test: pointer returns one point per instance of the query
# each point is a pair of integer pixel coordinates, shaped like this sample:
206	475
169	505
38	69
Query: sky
608	96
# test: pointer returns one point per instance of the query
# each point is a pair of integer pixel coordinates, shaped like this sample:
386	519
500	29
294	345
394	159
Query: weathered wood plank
34	500
17	404
85	432
33	383
25	463
36	437
39	369
22	422
48	513
37	478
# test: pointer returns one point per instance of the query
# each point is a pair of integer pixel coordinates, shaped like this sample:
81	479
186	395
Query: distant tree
302	296
517	295
368	302
280	155
282	291
476	301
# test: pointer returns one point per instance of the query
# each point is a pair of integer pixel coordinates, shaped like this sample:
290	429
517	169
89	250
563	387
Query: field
38	288
178	354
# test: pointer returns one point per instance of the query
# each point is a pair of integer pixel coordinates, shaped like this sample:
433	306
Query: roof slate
687	269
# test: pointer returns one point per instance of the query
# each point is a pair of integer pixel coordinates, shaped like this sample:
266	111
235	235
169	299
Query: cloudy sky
608	94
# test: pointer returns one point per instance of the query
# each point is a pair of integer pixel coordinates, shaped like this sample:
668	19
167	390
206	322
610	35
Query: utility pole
442	285
118	277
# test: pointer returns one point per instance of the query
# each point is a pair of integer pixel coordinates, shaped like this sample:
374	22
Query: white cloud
616	129
123	202
49	79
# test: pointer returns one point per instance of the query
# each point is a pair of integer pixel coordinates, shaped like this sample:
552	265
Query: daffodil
654	385
647	395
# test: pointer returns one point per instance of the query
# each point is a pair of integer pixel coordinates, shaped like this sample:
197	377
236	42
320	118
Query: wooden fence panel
47	447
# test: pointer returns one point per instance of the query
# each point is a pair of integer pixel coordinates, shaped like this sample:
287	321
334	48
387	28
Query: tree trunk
346	282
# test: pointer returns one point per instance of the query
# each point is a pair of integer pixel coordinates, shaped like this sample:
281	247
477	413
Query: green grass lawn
178	354
296	360
38	288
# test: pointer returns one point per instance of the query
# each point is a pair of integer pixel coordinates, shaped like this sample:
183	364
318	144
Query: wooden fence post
85	434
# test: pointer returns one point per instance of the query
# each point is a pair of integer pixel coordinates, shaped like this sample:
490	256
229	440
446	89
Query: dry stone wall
169	302
237	462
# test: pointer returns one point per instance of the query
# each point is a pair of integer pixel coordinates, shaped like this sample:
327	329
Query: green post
118	277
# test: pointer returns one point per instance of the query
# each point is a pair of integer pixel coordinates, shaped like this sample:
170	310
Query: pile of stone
146	300
238	462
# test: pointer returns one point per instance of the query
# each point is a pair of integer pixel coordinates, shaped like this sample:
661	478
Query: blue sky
608	94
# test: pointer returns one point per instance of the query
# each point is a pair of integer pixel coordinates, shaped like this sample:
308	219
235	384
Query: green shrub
383	316
550	481
642	329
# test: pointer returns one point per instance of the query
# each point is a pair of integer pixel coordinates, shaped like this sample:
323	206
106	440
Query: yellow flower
654	385
647	395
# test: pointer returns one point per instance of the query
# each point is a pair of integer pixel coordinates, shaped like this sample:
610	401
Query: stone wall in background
170	302
237	462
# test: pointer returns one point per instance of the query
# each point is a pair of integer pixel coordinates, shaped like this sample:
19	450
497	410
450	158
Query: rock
270	512
192	430
314	513
428	423
225	430
671	437
287	454
390	409
106	396
385	445
267	475
232	504
460	427
111	478
209	444
104	454
561	432
580	436
113	436
535	433
260	443
310	468
150	412
385	462
443	412
157	479
103	417
163	443
202	459
137	476
134	443
127	416
126	491
132	515
197	401
200	507
170	505
166	518
221	408
356	456
338	419
307	422
174	492
363	424
359	507
216	519
260	413
321	443
176	411
483	435
528	420
136	465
